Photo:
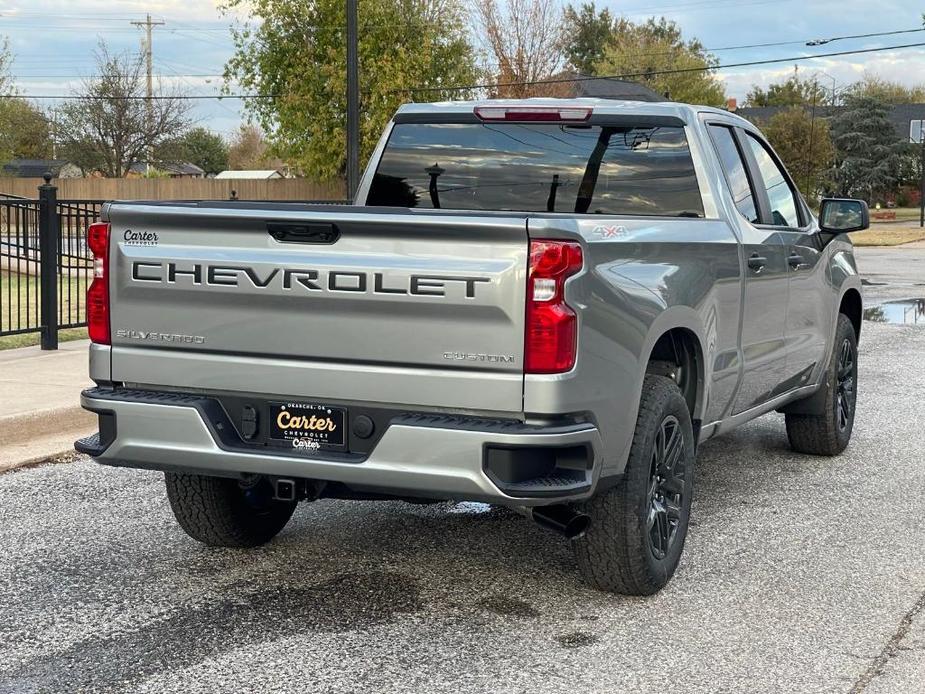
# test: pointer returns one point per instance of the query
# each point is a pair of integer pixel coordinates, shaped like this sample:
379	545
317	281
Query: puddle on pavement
900	312
471	507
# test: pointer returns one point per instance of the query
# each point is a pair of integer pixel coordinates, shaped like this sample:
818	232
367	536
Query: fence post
48	247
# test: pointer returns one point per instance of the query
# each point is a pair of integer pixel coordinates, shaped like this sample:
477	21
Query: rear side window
781	196
538	167
734	168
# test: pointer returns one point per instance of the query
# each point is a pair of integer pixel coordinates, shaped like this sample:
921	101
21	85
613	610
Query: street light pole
353	102
922	182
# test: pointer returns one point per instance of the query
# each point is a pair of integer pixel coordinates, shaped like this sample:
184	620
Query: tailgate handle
303	233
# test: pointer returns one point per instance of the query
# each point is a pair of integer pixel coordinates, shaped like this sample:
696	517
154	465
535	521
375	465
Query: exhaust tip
578	526
562	519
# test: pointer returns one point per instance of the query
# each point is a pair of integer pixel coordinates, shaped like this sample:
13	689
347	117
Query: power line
217	74
489	85
653	73
820	42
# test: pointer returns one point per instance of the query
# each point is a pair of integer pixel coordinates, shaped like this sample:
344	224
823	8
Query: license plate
307	426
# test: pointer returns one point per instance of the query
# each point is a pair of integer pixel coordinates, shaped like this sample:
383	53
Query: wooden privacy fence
178	188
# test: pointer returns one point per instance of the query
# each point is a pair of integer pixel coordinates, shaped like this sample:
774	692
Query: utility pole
353	103
148	25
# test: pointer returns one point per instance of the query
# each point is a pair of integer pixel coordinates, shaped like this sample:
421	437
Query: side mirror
840	215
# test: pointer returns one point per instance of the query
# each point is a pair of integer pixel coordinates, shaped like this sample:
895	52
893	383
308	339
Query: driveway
800	574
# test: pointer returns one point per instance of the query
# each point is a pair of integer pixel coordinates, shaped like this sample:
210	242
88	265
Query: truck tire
829	433
224	512
638	527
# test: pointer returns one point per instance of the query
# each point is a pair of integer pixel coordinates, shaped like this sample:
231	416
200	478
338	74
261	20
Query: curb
57	456
27	426
39	436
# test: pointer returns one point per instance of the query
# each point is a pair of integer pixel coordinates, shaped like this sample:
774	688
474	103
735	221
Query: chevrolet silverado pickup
539	304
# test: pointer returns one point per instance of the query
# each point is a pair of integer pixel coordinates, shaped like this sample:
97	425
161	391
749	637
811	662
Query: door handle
795	260
756	262
311	232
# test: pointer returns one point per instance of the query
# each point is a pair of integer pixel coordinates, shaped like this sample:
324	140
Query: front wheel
829	433
638	527
224	512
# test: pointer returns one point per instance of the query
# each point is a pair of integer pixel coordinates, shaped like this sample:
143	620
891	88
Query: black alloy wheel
666	487
845	393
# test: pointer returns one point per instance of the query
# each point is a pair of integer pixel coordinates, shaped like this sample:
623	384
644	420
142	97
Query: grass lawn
29	339
888	235
19	306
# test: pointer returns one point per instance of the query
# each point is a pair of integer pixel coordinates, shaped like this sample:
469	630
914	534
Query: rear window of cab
539	167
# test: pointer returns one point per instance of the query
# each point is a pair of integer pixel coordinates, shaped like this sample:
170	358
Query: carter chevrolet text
543	304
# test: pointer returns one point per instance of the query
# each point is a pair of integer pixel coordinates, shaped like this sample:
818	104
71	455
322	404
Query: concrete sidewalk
40	413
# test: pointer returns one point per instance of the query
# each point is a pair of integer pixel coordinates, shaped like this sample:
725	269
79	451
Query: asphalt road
800	574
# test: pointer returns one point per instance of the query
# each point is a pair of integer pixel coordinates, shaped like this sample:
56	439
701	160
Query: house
609	88
266	174
36	168
181	170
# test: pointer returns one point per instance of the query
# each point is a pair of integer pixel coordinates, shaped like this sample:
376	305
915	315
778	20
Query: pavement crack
890	649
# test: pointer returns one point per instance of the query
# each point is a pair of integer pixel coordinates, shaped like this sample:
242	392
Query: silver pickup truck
540	304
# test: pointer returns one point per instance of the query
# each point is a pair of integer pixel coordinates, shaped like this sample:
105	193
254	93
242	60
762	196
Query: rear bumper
440	457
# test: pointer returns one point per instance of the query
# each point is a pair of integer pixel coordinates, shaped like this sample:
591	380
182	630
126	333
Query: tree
791	92
294	52
805	145
6	62
248	150
870	156
884	90
639	52
587	33
111	126
25	131
199	146
523	39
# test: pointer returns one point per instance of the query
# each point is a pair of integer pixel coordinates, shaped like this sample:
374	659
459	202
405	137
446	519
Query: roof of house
900	114
250	173
609	88
181	169
33	168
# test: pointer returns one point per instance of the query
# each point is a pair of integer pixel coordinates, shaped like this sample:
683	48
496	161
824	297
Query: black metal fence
45	265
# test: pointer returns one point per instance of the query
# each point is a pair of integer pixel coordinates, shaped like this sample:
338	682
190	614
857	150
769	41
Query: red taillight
98	293
532	113
552	327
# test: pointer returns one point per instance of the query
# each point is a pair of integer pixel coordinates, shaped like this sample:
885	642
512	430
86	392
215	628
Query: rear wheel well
677	354
851	307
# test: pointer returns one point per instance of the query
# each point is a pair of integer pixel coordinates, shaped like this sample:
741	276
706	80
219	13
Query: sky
53	41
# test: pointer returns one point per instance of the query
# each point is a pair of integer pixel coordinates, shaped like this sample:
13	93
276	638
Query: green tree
24	129
199	146
805	145
871	157
587	33
885	90
294	52
791	92
642	51
25	132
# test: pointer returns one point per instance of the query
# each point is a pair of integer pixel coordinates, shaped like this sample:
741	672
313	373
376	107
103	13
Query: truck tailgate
336	303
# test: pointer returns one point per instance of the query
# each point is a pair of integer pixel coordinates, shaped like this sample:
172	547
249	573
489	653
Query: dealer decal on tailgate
307	426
